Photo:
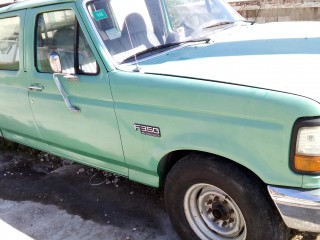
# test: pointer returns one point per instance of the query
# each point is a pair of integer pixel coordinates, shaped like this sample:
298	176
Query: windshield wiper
164	46
248	21
219	24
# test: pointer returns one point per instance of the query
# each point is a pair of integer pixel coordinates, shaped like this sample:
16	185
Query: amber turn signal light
307	163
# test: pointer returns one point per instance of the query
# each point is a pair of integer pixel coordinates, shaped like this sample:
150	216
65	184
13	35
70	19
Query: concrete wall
277	11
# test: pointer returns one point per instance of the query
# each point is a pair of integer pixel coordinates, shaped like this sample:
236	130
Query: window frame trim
20	15
75	40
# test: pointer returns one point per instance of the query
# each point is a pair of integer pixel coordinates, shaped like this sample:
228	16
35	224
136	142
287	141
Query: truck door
16	118
73	110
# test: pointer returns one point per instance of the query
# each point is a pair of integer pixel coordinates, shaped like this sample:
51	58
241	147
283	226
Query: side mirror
55	62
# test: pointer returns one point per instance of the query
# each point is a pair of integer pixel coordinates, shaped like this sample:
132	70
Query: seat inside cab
126	27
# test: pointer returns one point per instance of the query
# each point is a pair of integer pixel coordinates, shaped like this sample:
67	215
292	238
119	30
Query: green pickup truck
185	94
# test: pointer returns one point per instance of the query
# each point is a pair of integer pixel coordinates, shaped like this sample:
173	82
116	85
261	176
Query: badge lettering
147	130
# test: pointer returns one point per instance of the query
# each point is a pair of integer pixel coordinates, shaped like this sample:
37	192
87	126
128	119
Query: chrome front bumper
299	208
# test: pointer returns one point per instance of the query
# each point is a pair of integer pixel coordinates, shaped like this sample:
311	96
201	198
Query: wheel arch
169	160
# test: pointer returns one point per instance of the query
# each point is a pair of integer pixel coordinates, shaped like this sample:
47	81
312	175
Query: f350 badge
147	130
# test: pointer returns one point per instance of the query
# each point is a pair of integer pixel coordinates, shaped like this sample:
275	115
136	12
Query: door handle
36	87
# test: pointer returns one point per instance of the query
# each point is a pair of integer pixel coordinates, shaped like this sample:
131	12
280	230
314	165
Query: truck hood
277	56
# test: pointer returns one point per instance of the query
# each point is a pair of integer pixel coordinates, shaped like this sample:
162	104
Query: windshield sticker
113	33
100	14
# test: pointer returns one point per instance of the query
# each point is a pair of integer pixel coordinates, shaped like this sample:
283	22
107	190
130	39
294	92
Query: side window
60	32
9	43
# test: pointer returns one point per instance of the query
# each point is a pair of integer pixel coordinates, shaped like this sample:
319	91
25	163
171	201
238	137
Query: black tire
245	193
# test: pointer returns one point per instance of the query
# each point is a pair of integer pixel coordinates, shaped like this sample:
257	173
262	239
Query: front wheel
209	198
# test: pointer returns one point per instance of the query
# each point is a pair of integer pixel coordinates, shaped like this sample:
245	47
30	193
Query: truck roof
9	7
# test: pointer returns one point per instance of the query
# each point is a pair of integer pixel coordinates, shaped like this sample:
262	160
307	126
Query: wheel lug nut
231	220
216	198
209	202
224	224
231	211
209	210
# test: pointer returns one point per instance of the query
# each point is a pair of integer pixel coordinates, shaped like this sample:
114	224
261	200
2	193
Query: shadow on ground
75	202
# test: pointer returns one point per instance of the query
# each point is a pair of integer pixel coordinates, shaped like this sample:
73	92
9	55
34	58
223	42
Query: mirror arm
63	94
71	78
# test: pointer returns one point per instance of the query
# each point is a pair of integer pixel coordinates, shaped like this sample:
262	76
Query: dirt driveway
45	197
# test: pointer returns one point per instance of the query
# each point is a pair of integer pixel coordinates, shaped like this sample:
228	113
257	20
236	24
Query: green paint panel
249	126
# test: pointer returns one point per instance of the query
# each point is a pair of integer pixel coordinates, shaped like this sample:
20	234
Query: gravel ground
45	197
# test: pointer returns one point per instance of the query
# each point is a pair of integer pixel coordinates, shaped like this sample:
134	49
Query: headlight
305	148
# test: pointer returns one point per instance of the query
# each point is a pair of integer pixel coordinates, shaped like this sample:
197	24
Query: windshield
130	27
